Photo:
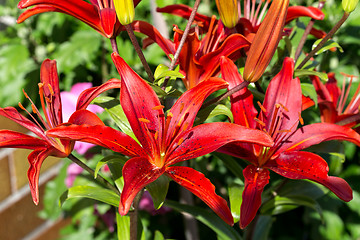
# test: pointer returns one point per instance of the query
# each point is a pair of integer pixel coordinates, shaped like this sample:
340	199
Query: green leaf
210	219
123	227
281	204
327	46
116	112
262	228
305	72
163	71
308	90
212	111
158	235
235	197
96	193
115	164
302	187
158	190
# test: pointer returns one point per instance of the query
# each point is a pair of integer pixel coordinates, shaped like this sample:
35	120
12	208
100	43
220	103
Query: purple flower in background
68	101
146	204
72	172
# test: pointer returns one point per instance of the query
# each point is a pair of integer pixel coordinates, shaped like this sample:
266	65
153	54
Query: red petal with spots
306	165
199	185
49	77
185	11
12	114
99	135
36	158
208	137
137	172
140	103
86	97
11	139
242	106
284	90
255	181
316	133
81	10
187	106
295	12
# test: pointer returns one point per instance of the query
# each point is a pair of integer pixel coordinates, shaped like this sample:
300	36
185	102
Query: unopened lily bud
266	41
228	12
125	11
349	5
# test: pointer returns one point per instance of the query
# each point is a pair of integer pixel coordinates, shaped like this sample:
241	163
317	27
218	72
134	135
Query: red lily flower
332	100
198	59
279	117
165	141
251	17
43	146
100	14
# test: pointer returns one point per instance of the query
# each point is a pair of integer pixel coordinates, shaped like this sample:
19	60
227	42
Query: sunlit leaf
235	197
329	45
305	72
123	226
308	90
96	193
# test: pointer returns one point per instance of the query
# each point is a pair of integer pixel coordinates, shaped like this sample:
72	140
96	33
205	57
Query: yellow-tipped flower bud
266	41
349	5
228	12
125	11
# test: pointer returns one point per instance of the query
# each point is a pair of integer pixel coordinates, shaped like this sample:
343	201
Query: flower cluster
160	136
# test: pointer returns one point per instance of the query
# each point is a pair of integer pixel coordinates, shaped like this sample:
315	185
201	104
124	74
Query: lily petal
286	91
50	80
295	12
86	97
255	181
306	165
12	139
229	48
208	137
100	135
141	106
108	20
316	133
85	117
12	114
242	105
137	172
187	106
78	9
36	158
199	185
185	11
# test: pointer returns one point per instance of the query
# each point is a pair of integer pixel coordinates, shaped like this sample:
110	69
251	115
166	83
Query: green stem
306	33
99	178
324	40
227	94
134	216
137	47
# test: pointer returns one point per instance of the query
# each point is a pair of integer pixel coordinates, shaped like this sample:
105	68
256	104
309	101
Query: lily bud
266	41
228	12
349	5
125	11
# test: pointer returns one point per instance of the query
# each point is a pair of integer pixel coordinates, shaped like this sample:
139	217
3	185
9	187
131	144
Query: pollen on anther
181	140
170	114
156	135
285	108
261	107
33	108
51	90
158	107
25	94
21	106
259	121
301	119
144	120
